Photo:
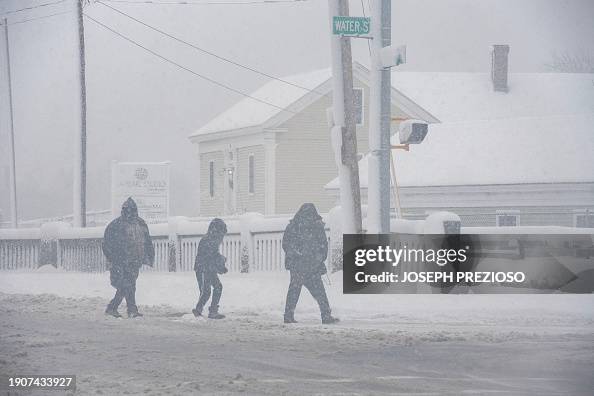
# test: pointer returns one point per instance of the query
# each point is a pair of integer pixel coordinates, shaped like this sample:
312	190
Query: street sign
350	26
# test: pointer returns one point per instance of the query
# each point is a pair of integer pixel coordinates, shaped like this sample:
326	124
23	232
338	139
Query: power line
209	52
36	6
41	17
252	2
185	68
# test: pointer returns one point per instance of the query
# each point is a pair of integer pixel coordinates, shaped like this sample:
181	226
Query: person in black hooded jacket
208	265
127	245
306	249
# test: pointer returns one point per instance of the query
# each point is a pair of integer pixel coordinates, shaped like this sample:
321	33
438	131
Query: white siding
211	206
305	159
246	201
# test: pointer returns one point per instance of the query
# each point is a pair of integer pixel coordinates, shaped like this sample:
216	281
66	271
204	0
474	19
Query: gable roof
249	112
289	99
470	96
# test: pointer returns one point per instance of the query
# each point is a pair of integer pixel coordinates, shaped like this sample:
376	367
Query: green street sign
350	26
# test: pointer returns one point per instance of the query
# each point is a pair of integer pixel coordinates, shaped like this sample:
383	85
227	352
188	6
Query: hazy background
142	109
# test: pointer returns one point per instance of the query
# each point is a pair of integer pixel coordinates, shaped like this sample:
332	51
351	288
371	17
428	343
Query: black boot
197	312
213	313
290	318
329	319
112	312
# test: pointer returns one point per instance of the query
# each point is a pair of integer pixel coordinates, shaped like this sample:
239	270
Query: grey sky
140	108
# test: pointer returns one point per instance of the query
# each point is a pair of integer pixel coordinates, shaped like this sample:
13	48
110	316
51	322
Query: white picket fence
253	243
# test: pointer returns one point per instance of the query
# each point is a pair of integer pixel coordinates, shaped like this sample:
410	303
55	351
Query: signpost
350	26
147	183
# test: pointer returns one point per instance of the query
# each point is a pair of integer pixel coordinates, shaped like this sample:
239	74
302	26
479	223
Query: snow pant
313	283
123	278
206	281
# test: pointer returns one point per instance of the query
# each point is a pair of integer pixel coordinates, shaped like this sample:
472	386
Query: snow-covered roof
249	112
534	149
289	95
541	131
470	96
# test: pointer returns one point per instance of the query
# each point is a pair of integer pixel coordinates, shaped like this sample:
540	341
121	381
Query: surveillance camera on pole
413	131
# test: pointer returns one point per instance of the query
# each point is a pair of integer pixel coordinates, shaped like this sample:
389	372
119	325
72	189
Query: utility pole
378	185
344	129
80	151
14	222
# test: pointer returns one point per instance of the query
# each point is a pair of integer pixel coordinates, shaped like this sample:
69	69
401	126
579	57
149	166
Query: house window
211	186
507	219
251	174
584	220
358	98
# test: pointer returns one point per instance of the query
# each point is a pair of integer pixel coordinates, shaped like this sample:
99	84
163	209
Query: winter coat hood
307	214
304	241
217	227
129	209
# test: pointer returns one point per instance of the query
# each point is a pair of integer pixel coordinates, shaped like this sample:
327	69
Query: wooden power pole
345	124
80	152
14	222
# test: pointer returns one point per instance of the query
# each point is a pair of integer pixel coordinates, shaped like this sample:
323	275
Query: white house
520	155
271	159
502	148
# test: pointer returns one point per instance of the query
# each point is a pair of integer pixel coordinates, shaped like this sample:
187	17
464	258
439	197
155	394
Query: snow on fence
253	243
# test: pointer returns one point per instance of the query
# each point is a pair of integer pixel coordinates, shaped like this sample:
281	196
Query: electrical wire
36	6
163	58
208	52
38	18
206	2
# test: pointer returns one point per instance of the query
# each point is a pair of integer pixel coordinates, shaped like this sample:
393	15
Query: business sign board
148	185
350	26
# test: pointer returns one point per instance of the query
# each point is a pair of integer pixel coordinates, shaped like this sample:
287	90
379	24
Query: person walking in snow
306	249
208	265
127	245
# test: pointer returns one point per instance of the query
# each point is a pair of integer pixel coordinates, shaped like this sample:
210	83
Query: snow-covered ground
53	322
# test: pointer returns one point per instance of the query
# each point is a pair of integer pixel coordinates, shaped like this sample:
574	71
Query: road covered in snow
53	323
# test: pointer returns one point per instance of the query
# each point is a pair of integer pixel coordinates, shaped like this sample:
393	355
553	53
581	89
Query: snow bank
263	295
49	269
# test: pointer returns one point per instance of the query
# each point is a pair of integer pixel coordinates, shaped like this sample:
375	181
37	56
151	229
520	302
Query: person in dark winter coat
306	249
127	246
208	265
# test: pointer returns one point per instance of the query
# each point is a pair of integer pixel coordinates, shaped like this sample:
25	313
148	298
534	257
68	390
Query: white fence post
49	249
248	250
335	248
174	261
